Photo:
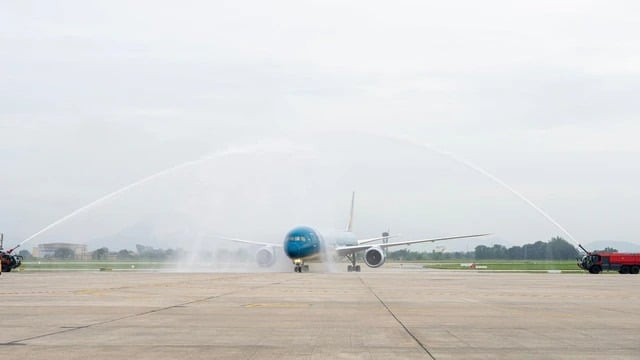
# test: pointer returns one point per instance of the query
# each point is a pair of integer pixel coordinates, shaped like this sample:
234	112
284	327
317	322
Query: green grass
506	265
45	265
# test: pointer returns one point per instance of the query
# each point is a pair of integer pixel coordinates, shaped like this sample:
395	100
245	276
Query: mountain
621	246
172	231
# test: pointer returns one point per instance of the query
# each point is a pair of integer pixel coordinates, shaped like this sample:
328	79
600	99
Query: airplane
303	243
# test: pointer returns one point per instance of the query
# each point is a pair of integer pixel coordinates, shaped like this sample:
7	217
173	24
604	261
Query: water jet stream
487	174
275	146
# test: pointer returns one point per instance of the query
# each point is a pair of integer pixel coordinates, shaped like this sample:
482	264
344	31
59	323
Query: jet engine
266	256
374	257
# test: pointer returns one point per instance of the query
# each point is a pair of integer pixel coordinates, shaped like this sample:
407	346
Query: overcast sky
542	94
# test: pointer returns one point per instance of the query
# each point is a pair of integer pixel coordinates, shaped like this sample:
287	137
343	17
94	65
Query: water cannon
12	249
585	250
2	245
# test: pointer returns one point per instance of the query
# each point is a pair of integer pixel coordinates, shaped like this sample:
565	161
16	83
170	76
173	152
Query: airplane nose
293	249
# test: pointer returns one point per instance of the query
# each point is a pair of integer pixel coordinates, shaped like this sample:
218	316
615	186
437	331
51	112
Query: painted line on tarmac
180	305
398	320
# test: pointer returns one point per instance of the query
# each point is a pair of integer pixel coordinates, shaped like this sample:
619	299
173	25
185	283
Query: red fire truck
624	263
8	261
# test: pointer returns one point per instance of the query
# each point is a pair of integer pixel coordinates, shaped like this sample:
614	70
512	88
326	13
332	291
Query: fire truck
8	260
624	263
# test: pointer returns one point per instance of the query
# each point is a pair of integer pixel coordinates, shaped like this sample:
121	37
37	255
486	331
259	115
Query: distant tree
515	253
535	251
25	254
398	254
494	252
460	255
156	254
555	249
100	254
499	252
151	253
64	254
142	249
482	252
413	256
125	254
609	249
559	249
408	255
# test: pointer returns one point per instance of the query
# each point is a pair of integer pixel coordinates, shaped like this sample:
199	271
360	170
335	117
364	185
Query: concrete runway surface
377	314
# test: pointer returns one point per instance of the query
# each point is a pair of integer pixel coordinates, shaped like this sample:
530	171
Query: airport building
49	250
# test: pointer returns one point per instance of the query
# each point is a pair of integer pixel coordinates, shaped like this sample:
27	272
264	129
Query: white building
49	250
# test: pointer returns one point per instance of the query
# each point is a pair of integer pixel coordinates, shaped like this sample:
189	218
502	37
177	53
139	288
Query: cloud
98	95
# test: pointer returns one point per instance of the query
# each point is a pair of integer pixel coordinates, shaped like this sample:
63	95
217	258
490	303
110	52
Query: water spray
490	176
234	150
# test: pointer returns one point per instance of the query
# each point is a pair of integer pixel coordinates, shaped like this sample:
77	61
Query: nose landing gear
300	267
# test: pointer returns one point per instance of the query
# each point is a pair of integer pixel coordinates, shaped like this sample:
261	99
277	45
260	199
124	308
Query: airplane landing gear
300	268
353	267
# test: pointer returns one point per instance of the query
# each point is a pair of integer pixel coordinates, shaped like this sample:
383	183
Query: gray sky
96	95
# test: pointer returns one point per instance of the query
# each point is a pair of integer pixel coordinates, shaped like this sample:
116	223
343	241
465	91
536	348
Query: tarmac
380	313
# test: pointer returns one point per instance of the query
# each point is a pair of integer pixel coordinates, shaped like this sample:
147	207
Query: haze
97	95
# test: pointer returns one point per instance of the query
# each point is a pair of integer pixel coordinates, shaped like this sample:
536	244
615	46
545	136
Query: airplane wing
251	242
345	250
364	241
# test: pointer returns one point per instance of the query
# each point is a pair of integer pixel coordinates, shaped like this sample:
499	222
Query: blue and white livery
304	243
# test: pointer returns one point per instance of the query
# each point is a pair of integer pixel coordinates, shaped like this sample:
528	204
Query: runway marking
91	292
469	300
74	328
398	320
277	305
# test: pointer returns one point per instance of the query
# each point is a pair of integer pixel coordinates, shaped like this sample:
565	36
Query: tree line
146	253
555	249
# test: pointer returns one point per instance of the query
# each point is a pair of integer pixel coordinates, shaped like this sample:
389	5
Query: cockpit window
296	238
303	236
